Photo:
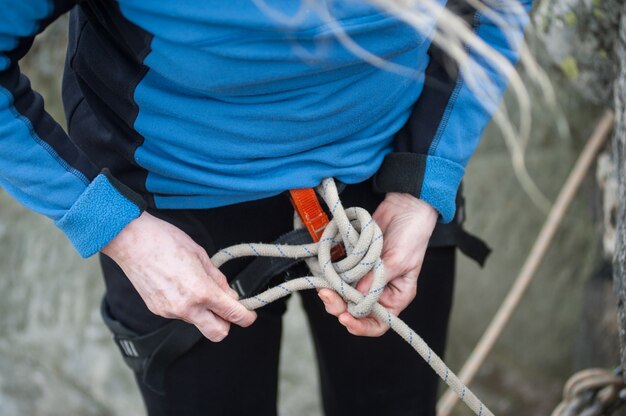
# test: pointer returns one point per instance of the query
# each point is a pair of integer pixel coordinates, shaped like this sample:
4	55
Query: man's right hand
175	277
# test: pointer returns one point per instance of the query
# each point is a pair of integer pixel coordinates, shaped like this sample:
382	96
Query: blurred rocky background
56	357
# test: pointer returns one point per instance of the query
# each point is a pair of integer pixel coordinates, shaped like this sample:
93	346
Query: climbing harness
363	242
592	392
150	355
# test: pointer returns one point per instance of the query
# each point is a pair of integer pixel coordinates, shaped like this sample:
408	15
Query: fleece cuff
430	178
99	214
442	178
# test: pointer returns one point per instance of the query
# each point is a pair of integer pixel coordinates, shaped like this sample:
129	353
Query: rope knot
363	241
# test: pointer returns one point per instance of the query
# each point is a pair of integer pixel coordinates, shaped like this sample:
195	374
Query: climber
187	121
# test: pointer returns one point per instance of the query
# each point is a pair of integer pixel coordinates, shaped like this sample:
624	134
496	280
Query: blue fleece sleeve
467	112
39	164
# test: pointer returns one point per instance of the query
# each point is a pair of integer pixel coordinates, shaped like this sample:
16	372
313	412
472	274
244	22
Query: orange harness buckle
313	217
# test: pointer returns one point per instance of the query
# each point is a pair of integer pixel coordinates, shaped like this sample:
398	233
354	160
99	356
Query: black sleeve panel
403	170
29	104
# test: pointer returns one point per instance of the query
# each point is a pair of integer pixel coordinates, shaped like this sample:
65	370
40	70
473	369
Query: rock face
579	36
56	354
619	149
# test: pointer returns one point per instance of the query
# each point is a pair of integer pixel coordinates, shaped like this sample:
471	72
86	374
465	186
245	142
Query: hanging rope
539	249
363	241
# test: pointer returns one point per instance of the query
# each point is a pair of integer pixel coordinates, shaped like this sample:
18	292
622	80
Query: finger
232	293
218	295
218	277
230	310
216	274
333	303
395	302
364	327
229	290
399	293
212	327
221	280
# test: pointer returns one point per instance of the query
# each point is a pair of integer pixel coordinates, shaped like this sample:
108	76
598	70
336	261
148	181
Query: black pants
239	376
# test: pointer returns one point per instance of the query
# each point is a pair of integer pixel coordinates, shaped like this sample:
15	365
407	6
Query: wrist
410	203
125	238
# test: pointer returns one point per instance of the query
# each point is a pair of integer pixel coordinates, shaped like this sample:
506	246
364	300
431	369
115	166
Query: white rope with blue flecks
363	241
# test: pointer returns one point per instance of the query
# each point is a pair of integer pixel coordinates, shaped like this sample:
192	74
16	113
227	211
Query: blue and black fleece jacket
204	103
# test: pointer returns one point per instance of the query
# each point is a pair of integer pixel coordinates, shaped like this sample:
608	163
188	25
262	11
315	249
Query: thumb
365	283
231	310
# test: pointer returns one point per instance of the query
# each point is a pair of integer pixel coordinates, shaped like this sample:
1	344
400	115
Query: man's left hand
407	224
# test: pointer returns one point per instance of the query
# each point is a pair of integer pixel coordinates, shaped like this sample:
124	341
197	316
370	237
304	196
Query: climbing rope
592	392
363	242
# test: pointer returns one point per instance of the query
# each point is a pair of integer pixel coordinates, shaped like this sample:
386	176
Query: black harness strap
151	354
453	235
180	338
260	271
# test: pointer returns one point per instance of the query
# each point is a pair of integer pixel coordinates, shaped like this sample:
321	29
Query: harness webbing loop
363	241
312	215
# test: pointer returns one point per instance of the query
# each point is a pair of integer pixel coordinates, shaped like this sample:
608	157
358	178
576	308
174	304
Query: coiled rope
363	241
592	392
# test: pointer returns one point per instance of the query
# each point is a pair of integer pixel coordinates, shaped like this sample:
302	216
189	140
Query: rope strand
363	241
